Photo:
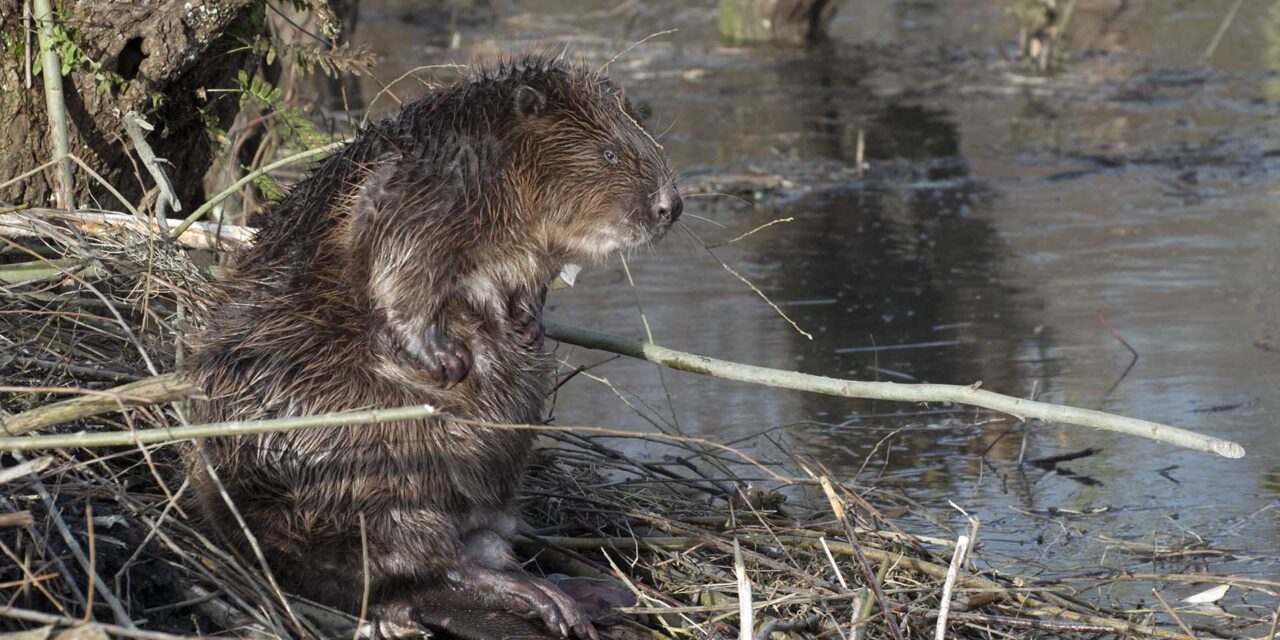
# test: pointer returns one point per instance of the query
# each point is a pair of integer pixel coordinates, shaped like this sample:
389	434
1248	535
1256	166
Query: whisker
634	45
724	265
707	194
669	183
759	228
670	126
694	215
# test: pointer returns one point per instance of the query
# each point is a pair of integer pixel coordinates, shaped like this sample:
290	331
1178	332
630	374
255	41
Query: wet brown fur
450	218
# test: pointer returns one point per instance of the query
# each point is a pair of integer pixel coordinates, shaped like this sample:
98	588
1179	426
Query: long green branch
250	177
971	395
55	104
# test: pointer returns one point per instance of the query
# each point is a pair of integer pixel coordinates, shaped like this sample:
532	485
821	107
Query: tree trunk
162	60
775	21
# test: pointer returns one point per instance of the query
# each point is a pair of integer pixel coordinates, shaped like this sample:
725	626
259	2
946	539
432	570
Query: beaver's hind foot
507	591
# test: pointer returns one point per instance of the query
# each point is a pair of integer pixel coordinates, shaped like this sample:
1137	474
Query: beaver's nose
668	206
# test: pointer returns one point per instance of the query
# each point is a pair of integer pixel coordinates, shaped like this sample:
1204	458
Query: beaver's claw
533	332
446	359
512	592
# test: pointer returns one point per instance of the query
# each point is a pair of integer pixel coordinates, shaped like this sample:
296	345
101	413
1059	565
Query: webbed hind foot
487	604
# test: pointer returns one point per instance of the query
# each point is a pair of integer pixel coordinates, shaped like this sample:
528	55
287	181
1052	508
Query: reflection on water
1009	230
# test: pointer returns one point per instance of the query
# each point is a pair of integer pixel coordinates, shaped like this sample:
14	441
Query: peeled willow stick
971	395
34	223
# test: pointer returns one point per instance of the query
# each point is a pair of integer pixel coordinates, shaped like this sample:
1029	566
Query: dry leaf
1208	595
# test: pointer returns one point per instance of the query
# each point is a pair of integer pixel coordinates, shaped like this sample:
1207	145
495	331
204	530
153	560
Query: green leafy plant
331	61
268	187
73	57
299	132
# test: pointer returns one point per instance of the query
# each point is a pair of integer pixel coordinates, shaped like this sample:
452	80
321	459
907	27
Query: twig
870	576
29	467
632	46
115	630
1172	614
1222	29
1124	343
26	42
200	235
364	575
249	537
250	177
134	126
19	520
338	419
93	561
967	395
103	181
693	363
1042	625
154	390
746	622
95	582
79	370
724	265
944	606
386	89
1275	624
31	578
55	104
759	228
832	561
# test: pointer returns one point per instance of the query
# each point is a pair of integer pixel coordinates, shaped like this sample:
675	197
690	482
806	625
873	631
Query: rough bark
167	56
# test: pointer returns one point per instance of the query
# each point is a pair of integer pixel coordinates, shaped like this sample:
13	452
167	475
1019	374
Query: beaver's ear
644	110
530	101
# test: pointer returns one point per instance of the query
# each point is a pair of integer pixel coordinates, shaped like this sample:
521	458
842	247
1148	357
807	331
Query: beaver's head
597	181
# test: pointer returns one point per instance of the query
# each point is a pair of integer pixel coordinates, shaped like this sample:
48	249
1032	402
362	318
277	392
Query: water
1010	229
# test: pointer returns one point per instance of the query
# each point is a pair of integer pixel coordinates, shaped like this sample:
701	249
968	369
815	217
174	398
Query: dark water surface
1007	230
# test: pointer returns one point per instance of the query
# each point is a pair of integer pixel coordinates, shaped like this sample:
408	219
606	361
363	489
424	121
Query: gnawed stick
134	125
970	395
155	390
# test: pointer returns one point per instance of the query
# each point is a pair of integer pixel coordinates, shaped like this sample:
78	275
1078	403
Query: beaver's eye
610	156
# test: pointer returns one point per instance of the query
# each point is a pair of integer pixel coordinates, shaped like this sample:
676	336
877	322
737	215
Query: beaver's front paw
533	333
526	315
446	359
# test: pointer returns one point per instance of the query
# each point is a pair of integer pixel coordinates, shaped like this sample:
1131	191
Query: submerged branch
970	395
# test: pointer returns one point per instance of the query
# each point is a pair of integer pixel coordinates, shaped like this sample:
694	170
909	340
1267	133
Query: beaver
408	268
